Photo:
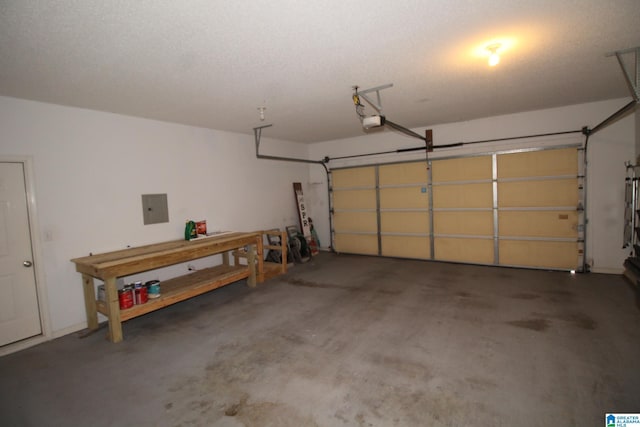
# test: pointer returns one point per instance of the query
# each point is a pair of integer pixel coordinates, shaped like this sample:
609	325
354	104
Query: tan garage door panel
356	221
538	223
403	173
546	193
356	177
406	247
356	243
464	250
462	169
474	223
404	222
354	199
463	196
403	198
538	163
539	254
351	202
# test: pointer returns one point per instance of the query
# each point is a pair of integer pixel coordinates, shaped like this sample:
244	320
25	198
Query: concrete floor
351	341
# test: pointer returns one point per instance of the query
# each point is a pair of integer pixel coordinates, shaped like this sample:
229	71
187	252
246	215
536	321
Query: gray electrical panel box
154	208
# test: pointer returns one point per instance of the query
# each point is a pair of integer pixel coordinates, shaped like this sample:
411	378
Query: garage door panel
470	223
463	196
403	173
538	223
538	163
545	193
404	222
562	255
356	221
354	199
365	244
478	251
404	198
356	177
462	169
406	247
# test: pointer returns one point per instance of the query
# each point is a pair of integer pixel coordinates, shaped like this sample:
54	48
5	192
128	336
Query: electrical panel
155	209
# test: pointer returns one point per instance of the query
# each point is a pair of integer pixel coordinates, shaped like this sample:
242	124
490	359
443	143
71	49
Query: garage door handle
27	263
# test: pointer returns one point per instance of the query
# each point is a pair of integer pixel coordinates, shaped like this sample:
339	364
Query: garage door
511	209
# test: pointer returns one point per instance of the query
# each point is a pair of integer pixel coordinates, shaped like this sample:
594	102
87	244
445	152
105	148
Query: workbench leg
113	310
260	260
225	258
90	302
283	250
251	265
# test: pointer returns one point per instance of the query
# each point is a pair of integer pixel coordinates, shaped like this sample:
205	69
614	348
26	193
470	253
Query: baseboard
605	270
69	330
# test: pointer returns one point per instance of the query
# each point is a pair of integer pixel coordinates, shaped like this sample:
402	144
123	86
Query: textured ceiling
211	63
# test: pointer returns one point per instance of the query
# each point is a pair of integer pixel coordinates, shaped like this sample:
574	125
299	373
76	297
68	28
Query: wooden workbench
111	265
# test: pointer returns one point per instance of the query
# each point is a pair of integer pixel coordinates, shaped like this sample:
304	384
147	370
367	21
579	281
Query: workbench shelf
182	288
111	265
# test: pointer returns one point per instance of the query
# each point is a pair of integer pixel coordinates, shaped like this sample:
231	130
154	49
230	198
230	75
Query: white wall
607	152
91	169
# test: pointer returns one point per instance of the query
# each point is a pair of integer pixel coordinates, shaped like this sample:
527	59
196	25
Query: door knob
27	263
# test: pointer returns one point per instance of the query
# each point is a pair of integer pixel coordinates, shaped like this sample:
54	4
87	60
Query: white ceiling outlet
209	63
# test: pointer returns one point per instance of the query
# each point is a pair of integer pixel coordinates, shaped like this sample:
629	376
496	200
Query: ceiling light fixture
261	111
494	58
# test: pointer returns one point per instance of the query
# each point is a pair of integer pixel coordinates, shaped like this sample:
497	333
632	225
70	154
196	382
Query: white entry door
19	312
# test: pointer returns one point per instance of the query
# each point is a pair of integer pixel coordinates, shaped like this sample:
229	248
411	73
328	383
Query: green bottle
190	230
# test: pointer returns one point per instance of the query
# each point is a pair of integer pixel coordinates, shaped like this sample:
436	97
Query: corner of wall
637	133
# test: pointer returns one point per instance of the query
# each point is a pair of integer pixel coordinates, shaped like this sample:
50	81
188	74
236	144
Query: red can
125	296
141	295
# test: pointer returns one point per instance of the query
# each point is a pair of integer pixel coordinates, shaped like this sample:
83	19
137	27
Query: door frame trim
36	247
